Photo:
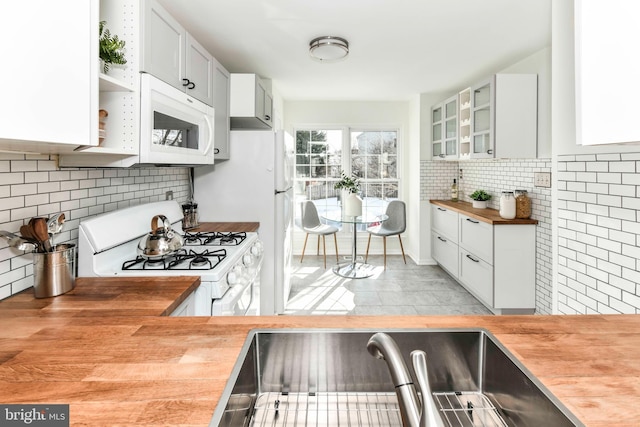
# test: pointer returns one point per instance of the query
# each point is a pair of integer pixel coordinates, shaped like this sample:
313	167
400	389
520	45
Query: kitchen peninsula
105	349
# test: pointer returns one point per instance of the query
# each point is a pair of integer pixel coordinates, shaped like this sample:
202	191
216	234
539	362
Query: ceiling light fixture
328	48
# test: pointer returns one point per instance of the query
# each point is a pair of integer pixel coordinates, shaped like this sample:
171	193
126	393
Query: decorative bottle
507	205
454	191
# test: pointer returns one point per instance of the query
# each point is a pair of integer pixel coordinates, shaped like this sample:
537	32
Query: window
322	154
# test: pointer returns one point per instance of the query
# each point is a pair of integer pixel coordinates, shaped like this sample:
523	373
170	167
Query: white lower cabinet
495	262
445	222
477	237
477	276
445	252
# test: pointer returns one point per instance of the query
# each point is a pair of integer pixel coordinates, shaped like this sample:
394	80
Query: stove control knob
248	259
257	248
235	275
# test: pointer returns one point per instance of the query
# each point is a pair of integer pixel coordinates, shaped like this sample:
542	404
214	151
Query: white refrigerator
256	184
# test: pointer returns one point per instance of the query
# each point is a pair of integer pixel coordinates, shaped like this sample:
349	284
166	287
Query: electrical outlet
542	179
168	195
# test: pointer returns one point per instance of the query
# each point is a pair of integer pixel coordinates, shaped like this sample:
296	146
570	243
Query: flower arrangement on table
351	184
352	202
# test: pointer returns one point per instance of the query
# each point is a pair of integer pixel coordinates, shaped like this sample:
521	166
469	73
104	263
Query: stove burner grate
214	238
179	260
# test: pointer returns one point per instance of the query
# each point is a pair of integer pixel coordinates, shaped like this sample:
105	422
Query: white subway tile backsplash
613	241
31	185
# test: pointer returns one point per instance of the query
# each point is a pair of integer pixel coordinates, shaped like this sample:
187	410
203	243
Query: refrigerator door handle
282	191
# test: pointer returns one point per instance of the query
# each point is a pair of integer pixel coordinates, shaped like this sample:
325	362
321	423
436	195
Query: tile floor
400	289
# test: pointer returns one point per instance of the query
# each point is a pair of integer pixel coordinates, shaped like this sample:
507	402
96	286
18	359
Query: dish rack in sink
360	409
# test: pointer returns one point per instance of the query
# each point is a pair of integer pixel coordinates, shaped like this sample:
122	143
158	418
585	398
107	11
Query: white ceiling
399	48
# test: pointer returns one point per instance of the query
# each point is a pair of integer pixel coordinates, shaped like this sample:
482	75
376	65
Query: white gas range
228	263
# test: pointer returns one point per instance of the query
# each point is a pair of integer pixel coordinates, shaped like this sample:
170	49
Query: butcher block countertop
488	215
105	350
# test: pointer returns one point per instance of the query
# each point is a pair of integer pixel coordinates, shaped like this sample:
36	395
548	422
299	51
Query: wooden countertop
488	215
93	349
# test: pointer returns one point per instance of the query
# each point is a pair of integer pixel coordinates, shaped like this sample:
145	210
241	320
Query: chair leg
366	256
402	249
324	251
304	247
384	244
335	240
318	248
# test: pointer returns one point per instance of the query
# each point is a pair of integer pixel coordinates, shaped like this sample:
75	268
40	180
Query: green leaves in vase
111	48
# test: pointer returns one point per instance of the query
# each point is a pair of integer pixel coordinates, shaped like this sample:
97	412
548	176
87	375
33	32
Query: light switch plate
542	179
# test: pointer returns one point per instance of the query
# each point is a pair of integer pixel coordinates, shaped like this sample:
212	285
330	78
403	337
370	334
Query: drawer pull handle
441	239
443	210
472	221
472	259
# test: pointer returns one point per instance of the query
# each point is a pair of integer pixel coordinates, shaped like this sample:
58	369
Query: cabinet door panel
199	65
49	77
221	106
477	275
164	41
445	222
477	237
446	253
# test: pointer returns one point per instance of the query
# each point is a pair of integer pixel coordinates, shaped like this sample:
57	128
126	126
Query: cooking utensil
27	233
41	233
18	242
161	241
54	226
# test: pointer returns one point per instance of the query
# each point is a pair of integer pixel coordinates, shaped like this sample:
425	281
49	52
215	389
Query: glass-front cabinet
482	111
444	129
464	124
451	127
436	132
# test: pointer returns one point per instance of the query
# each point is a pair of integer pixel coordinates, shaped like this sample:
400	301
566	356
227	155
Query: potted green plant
111	48
479	199
352	202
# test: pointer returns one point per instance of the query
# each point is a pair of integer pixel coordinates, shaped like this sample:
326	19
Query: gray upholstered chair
311	225
395	225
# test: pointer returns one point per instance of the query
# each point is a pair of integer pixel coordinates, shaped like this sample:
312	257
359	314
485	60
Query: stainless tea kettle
161	241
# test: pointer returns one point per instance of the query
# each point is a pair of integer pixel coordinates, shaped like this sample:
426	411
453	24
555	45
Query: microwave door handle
209	127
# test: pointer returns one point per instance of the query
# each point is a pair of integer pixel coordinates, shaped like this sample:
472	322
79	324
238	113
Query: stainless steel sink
323	377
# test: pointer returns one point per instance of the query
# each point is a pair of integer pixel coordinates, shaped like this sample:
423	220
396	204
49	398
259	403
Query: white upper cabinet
221	101
251	102
464	123
171	54
437	148
444	129
504	111
607	69
49	96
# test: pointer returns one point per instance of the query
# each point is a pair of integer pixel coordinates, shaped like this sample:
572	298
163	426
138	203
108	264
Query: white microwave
174	127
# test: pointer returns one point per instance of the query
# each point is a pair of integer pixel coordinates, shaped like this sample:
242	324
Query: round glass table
353	269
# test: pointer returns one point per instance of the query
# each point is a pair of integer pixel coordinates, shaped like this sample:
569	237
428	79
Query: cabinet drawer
477	238
446	253
445	222
477	275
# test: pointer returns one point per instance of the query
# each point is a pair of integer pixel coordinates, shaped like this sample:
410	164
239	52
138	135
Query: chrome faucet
382	346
